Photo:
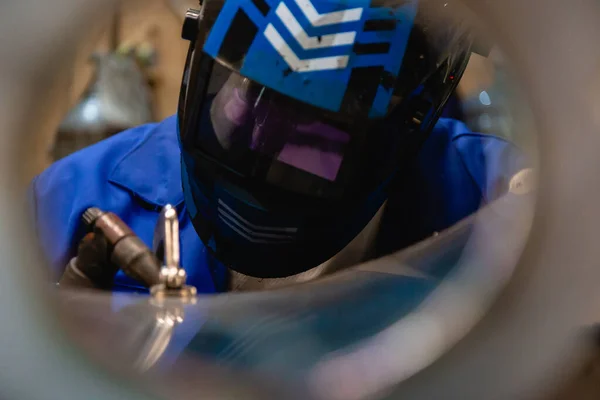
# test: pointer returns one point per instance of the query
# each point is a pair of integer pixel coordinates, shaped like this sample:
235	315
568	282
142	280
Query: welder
325	132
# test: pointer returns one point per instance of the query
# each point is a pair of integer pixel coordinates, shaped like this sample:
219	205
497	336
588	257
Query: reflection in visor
245	117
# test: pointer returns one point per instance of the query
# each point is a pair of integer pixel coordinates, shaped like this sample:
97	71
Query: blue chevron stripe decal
307	49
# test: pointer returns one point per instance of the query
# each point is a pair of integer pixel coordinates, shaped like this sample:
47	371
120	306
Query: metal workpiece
159	336
166	247
525	344
162	292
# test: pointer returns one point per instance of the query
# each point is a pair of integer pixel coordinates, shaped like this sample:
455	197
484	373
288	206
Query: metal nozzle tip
91	215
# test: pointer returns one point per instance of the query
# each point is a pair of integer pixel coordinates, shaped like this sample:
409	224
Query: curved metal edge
560	257
37	359
536	332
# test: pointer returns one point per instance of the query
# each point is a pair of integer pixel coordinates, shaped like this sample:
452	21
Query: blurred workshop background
129	73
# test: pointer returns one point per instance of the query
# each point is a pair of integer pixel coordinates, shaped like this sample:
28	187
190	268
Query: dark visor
246	117
269	138
244	129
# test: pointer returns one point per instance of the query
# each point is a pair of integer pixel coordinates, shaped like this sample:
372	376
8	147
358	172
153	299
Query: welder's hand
92	266
93	257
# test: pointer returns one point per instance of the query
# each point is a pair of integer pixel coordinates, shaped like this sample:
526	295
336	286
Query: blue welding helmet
295	115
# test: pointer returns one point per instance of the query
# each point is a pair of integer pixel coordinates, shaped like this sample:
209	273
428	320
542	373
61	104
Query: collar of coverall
152	169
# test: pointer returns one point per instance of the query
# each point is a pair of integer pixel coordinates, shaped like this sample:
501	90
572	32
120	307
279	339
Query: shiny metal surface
520	349
166	247
310	336
166	320
33	52
185	293
534	333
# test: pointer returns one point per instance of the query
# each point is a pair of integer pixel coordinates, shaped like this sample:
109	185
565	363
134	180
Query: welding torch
108	246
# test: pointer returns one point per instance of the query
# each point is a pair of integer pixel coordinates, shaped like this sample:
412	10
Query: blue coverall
135	173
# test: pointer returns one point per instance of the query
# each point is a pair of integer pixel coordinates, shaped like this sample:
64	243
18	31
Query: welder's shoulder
490	161
87	169
90	168
59	195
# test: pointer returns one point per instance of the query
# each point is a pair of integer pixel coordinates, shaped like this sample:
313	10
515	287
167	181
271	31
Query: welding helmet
295	116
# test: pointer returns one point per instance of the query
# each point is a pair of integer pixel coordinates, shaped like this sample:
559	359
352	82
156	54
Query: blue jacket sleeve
54	215
491	162
456	172
60	194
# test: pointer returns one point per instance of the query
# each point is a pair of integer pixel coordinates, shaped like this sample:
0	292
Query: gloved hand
111	245
92	267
